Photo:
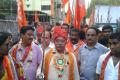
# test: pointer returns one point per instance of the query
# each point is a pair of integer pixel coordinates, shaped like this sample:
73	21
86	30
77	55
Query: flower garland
60	63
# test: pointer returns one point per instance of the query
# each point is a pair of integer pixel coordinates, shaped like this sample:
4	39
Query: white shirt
38	73
52	45
75	46
111	71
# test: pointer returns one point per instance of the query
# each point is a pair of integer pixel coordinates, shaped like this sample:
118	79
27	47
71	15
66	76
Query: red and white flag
21	15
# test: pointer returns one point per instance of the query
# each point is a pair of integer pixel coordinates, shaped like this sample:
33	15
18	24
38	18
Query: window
45	7
58	5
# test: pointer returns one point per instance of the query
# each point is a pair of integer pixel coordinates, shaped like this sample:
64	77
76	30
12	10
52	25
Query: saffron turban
59	32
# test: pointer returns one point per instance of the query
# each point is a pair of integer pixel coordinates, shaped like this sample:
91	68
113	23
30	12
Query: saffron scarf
104	64
69	47
48	58
8	71
17	64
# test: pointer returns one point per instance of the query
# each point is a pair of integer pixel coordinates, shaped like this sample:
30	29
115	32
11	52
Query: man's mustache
90	39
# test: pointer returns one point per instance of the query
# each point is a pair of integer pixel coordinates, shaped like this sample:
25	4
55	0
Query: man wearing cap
59	63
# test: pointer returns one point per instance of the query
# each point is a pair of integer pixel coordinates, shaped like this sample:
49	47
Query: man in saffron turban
59	63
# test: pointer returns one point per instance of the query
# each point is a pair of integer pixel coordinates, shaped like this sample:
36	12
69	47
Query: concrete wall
11	27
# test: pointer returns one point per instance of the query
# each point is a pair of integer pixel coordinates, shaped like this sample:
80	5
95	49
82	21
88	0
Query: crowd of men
61	53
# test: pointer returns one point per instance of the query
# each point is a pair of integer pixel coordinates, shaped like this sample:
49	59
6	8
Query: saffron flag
82	9
66	7
80	13
68	16
21	15
64	2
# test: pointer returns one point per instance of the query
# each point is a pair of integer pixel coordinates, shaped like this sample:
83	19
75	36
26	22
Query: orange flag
36	16
77	15
80	13
82	8
21	15
68	15
66	7
64	2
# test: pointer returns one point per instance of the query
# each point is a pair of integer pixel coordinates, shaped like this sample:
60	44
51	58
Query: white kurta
53	72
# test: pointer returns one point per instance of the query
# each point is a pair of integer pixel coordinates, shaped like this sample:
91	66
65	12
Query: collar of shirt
95	47
75	46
